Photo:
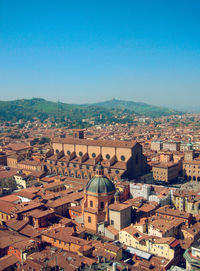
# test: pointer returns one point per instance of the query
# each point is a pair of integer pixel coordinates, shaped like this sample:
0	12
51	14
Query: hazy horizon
93	51
186	108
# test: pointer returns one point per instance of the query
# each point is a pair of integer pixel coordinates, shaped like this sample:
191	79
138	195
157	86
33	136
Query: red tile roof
7	262
103	143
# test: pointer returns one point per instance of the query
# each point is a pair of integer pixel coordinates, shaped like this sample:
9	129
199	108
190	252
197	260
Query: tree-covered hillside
77	115
140	108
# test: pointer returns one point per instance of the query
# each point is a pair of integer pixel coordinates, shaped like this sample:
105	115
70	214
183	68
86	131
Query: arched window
93	155
107	156
80	153
68	152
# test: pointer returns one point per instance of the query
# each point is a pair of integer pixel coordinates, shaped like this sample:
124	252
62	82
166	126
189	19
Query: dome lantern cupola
100	184
99	170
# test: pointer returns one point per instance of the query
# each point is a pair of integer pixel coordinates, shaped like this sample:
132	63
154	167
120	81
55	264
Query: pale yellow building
187	201
167	247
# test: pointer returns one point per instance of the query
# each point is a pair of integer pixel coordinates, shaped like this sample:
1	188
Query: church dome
100	184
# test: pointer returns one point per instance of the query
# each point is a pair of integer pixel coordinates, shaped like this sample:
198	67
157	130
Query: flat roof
139	253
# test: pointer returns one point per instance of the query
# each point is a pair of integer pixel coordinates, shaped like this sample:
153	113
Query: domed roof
100	184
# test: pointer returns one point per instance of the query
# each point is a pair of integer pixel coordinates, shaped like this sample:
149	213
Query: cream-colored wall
154	232
115	216
107	150
121	219
123	151
57	146
95	149
129	240
68	147
82	148
161	250
20	181
141	228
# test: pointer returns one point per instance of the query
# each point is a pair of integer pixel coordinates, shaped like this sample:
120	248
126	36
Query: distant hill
139	108
73	114
28	109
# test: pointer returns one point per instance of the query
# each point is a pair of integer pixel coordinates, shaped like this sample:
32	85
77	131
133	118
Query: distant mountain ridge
137	107
110	111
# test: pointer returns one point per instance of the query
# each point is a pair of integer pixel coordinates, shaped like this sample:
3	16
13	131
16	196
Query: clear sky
80	51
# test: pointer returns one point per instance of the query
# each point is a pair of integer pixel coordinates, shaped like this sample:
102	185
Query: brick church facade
78	157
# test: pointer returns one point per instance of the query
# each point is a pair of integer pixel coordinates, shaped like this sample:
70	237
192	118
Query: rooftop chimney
78	133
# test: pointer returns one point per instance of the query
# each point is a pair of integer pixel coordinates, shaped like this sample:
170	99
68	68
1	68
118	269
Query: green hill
28	109
73	115
139	108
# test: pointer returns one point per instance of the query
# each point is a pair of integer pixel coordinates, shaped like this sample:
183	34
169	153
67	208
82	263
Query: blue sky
80	51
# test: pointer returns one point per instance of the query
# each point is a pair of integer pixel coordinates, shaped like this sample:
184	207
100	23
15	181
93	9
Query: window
68	152
57	151
80	153
122	157
88	167
91	203
111	222
117	171
102	205
89	219
93	155
107	156
62	164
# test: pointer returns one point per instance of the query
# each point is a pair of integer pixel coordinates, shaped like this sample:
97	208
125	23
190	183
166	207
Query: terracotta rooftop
67	199
8	238
29	231
10	198
7	207
7	262
15	224
7	173
103	143
119	206
65	234
166	210
37	213
25	244
27	206
134	232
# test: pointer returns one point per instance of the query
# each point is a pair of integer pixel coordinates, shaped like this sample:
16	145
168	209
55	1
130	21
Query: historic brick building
191	166
99	193
78	157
